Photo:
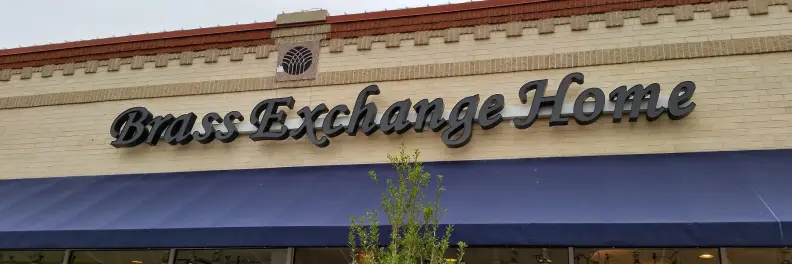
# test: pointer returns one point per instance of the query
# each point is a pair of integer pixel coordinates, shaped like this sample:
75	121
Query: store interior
472	256
580	256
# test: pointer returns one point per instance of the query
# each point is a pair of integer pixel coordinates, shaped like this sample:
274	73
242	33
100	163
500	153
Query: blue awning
695	199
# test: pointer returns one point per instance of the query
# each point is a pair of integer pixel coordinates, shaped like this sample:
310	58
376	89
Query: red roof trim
418	11
342	26
142	37
271	25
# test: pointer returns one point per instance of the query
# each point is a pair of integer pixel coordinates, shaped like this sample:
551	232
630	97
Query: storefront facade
528	111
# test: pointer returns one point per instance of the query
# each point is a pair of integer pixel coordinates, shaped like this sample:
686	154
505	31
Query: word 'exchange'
137	125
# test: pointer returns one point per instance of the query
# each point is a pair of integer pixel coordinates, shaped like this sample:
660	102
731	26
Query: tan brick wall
703	27
744	102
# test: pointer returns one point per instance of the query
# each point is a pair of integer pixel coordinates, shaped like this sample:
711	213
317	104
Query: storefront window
232	256
120	257
472	255
647	256
759	255
321	256
516	255
32	257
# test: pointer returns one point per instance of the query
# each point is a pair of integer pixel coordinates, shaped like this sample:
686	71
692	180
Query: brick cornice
688	50
136	48
345	26
141	37
260	39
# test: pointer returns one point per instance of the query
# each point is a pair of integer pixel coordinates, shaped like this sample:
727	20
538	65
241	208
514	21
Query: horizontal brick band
690	50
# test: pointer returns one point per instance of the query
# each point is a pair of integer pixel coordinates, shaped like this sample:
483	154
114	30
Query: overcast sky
37	22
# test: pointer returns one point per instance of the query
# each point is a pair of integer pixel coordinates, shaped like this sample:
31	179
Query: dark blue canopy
695	199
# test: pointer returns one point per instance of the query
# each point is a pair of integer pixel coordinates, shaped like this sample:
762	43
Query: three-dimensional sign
268	120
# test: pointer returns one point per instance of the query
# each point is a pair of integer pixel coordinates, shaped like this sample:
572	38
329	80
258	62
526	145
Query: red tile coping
342	26
419	11
487	12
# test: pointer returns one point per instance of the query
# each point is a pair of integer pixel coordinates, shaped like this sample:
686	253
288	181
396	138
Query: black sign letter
681	94
328	125
308	125
490	116
129	128
466	108
232	132
207	122
429	112
363	114
394	119
581	117
558	99
271	114
158	126
637	93
539	86
180	131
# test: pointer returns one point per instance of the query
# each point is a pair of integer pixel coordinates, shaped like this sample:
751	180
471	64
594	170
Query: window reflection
759	255
647	256
472	255
120	257
232	256
31	257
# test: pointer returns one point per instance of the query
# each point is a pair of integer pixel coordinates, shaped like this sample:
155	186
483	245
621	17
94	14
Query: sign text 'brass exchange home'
268	120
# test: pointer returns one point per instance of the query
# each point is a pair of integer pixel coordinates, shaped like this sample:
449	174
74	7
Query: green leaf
414	220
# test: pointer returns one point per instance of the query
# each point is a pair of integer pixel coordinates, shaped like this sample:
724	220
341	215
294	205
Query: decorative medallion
297	61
